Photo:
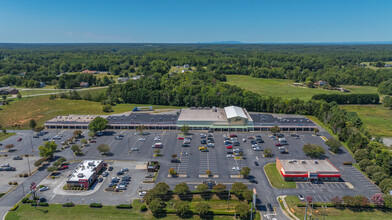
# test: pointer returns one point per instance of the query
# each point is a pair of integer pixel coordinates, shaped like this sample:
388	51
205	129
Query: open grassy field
377	119
284	88
5	136
376	68
334	213
275	178
41	108
56	211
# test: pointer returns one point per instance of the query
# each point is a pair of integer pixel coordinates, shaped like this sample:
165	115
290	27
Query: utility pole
306	209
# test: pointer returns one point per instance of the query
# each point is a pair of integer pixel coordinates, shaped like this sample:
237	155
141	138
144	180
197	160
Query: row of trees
349	98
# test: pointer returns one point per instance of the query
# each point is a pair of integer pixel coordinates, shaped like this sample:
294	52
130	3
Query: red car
251	137
180	138
19	139
278	144
93	141
64	167
229	147
233	135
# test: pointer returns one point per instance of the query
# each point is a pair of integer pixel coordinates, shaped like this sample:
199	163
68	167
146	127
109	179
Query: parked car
5	165
118	137
142	193
63	167
185	145
229	147
18	158
100	134
210	145
270	207
93	141
250	137
142	139
259	140
253	142
236	168
203	141
124	169
157	138
110	168
150	175
253	181
100	179
19	139
284	151
232	135
43	188
105	174
35	136
257	149
112	184
134	149
120	173
278	144
301	197
256	163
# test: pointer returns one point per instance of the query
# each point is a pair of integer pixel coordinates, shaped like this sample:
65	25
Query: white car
44	188
210	145
281	148
230	155
134	149
142	139
236	168
157	138
257	149
184	153
142	193
5	165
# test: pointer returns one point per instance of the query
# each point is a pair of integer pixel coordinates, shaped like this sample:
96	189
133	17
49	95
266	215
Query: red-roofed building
90	71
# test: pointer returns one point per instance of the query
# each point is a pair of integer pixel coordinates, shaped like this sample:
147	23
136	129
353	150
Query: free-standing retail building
85	173
230	118
307	170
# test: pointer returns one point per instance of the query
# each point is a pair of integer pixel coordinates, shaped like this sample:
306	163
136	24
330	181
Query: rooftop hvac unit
316	162
80	175
91	163
303	162
290	161
214	109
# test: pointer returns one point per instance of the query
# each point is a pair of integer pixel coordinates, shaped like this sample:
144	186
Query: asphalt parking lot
99	193
22	167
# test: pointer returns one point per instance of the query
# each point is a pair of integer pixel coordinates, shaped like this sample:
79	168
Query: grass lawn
376	68
41	108
5	136
334	213
284	88
56	211
37	91
377	119
275	178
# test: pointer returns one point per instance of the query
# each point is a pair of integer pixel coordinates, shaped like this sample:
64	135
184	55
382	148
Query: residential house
186	65
388	65
122	79
84	85
136	77
90	71
42	84
8	91
320	83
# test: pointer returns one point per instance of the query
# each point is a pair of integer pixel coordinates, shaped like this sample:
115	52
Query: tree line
349	98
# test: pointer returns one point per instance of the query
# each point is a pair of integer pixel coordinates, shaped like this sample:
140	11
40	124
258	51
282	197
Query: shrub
143	208
69	204
43	204
25	175
96	205
15	207
10	183
124	206
25	200
20	175
15	183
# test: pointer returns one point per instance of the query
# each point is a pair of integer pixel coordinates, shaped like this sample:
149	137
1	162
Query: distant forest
336	64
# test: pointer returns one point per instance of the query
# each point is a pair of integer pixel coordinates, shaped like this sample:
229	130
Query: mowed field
376	68
377	119
284	88
41	108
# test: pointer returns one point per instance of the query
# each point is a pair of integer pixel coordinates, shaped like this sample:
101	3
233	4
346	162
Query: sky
194	21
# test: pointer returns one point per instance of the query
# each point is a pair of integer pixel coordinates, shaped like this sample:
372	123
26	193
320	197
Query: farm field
284	88
334	213
41	108
377	119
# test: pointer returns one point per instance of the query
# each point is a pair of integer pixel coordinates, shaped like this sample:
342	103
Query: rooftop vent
303	162
80	175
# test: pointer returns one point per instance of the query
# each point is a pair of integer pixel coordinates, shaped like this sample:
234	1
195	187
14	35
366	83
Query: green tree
242	210
76	149
47	149
334	145
238	188
182	208
388	201
103	148
107	108
267	152
77	133
98	124
378	177
219	188
245	171
140	129
172	172
370	170
247	195
387	102
181	189
185	129
203	188
385	87
275	129
32	124
365	163
83	141
361	154
208	172
162	189
386	185
156	206
202	209
313	151
52	169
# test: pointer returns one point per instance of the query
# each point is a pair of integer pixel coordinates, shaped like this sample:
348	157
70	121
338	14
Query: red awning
294	175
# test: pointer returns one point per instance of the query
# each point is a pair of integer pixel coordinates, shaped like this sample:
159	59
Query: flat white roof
235	111
312	166
189	114
84	170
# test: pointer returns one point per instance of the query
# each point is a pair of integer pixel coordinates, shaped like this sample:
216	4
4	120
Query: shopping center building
230	118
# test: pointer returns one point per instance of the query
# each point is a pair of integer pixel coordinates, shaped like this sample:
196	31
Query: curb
296	187
286	209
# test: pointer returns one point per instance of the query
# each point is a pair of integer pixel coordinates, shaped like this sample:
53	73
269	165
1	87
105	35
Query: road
60	91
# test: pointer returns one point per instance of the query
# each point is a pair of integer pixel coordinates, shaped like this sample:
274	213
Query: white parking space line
331	186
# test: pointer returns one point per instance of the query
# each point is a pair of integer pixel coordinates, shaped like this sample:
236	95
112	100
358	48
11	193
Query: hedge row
96	205
349	98
124	206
